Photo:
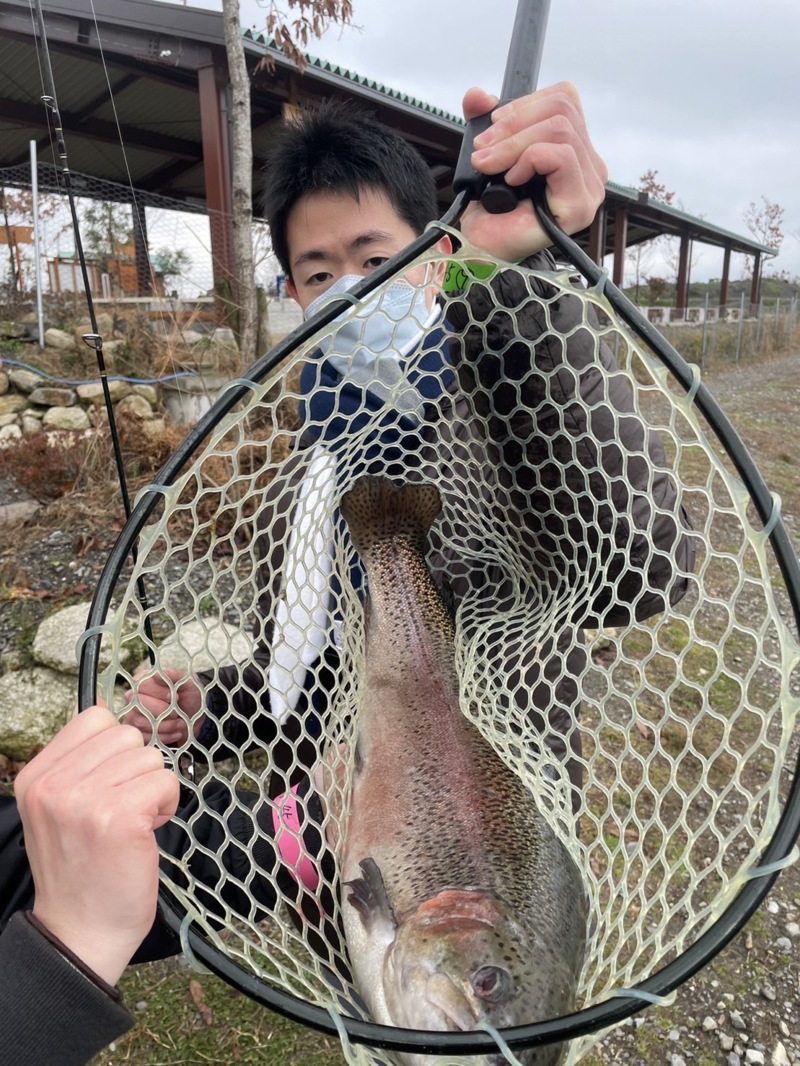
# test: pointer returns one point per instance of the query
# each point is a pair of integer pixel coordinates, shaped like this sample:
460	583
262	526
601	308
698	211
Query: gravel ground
744	1008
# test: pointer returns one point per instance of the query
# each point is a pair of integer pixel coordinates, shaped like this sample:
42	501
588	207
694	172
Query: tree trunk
242	183
9	241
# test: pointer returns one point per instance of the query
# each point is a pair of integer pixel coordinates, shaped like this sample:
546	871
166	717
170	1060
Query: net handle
521	76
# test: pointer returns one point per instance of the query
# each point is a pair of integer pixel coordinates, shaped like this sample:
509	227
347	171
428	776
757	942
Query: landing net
623	633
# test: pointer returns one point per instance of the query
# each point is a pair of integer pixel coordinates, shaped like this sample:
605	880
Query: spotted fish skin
460	905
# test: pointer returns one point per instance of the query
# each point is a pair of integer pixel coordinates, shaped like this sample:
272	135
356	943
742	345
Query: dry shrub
45	465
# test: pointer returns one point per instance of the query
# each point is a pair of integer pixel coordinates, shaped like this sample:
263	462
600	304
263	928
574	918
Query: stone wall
38	698
29	403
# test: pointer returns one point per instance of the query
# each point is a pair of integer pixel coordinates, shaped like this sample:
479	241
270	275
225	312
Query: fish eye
492	984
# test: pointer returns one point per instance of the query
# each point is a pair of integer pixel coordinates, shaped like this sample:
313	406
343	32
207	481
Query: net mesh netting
618	638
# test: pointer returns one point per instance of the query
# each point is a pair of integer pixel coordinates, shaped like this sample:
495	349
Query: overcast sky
705	92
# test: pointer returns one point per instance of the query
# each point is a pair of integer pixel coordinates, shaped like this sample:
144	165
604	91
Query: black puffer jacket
541	426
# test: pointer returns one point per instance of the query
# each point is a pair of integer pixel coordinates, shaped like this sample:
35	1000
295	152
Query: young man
344	194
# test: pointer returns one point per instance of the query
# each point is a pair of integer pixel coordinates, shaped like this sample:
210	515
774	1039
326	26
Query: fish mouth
447	998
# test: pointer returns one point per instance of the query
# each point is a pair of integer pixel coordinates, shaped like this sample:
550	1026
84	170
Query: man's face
330	234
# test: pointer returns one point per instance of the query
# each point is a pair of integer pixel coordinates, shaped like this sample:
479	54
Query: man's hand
544	133
158	694
90	802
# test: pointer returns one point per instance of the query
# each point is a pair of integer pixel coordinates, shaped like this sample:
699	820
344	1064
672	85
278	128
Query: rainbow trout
460	906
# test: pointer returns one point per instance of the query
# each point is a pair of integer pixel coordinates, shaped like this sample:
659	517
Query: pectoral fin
368	896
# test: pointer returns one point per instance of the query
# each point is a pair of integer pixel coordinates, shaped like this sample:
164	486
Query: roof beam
21	114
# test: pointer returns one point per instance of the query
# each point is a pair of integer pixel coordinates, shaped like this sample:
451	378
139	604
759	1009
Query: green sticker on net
460	274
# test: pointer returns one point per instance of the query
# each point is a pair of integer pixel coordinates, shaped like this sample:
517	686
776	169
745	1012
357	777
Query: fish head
462	960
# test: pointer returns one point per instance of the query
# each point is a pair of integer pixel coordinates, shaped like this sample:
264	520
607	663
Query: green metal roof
354	78
626	192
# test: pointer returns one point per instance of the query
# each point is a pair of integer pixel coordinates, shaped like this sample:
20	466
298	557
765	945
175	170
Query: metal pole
741	327
705	333
37	269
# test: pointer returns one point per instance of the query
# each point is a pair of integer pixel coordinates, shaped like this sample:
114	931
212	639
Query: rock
149	392
216	351
737	1021
754	1058
13	514
59	338
110	351
784	945
793	929
709	1023
35	705
192	337
779	1056
155	426
136	405
186	399
203	643
57	638
105	327
768	992
8	420
66	418
11	404
677	1060
725	1042
5	384
10	434
25	380
93	393
30	425
51	396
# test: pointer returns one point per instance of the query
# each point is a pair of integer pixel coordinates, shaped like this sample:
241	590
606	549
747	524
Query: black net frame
779	850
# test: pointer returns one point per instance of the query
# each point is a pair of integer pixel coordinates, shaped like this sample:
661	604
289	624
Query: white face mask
369	347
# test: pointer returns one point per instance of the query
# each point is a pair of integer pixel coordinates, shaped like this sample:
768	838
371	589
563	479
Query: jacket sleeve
51	1014
574	458
16	881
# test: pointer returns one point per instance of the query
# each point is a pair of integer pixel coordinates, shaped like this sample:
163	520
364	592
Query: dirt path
744	1007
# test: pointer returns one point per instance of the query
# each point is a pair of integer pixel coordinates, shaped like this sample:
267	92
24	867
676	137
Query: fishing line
139	213
94	340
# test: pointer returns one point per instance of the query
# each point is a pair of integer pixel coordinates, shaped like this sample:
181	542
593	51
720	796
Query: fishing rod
93	339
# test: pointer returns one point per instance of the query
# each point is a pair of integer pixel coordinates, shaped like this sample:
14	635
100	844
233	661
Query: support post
620	244
726	274
144	280
755	287
219	198
37	263
681	295
597	236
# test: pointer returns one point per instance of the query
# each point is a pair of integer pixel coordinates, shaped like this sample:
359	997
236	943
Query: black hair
336	147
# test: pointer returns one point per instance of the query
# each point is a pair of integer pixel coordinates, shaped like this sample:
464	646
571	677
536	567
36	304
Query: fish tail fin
377	509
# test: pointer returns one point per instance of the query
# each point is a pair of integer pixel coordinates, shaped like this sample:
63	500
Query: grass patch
187	1018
